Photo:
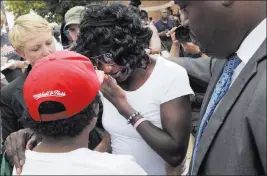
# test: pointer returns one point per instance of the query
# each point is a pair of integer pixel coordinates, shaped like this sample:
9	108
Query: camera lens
182	34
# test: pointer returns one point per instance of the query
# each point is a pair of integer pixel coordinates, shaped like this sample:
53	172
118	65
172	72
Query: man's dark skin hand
16	144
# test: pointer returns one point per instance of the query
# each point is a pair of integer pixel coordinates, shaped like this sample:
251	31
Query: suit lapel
222	110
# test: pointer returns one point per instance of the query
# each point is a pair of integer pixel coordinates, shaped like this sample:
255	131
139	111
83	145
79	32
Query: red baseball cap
65	77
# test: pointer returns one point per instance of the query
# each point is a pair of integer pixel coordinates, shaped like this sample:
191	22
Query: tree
19	8
52	10
62	6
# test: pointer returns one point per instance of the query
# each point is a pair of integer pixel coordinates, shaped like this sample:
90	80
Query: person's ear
227	2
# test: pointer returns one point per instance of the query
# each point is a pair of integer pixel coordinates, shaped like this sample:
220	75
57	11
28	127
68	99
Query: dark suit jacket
234	141
12	106
11	75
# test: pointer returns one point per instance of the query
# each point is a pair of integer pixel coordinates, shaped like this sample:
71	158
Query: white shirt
79	162
249	47
167	82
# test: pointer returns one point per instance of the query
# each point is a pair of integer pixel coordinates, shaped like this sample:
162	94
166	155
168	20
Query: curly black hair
70	127
126	38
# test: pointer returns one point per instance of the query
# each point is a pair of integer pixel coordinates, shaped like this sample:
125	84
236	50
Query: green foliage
52	10
19	8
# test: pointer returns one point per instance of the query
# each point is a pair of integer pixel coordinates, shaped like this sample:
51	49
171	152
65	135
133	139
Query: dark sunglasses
105	59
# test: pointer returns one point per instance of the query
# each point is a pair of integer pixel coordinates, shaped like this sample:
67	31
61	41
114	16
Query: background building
153	7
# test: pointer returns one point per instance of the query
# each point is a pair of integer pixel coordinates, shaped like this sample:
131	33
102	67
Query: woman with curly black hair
151	94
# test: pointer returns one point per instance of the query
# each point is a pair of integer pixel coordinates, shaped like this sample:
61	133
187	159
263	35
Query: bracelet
132	116
139	122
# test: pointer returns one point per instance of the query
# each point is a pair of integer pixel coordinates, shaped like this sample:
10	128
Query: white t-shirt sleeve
177	85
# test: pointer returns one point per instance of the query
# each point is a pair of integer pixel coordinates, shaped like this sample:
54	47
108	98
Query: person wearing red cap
61	94
32	38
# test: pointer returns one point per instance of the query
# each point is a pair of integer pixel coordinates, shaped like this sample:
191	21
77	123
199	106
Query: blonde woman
32	38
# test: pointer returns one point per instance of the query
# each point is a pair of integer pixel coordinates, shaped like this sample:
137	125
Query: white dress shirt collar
252	42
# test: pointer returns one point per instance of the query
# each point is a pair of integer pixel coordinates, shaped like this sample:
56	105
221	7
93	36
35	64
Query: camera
182	34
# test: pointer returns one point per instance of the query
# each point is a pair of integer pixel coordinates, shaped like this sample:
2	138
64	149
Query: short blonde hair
27	27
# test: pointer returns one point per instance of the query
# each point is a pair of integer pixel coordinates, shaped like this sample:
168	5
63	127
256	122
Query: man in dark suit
231	138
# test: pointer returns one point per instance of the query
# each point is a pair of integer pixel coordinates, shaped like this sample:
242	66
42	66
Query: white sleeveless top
167	81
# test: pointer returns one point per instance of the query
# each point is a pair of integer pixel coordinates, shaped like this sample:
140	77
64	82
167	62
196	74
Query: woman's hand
114	93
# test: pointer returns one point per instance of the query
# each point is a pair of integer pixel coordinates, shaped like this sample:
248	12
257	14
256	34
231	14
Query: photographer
182	44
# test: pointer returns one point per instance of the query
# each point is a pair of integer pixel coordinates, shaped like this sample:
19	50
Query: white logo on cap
55	93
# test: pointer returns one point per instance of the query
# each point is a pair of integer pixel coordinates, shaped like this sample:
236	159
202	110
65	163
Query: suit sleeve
257	122
199	69
9	118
